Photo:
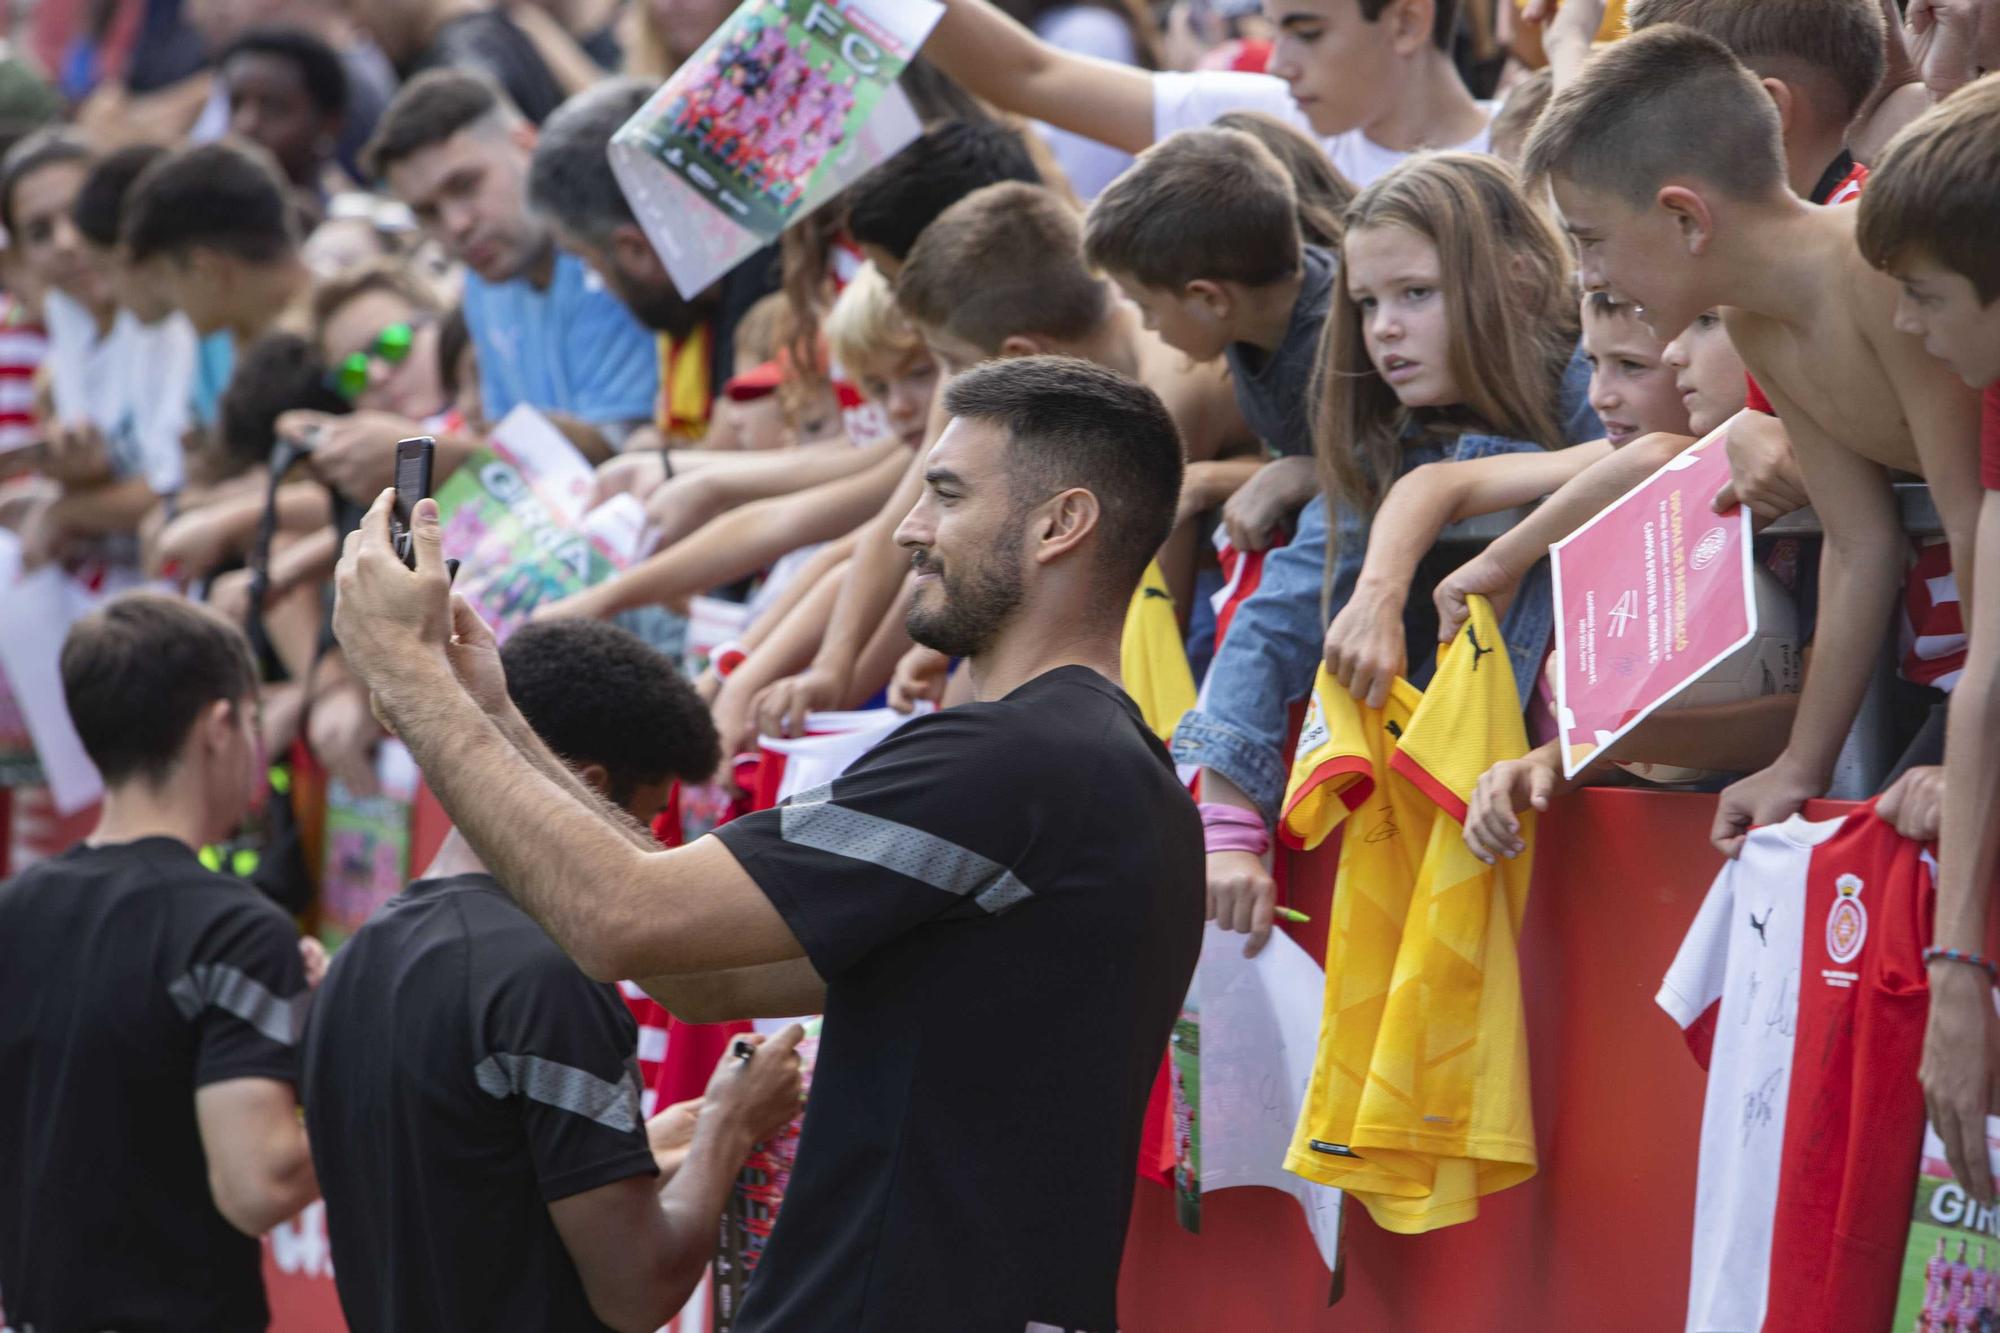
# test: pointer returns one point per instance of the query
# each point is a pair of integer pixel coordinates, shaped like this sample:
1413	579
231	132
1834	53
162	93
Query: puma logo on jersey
1758	926
1478	651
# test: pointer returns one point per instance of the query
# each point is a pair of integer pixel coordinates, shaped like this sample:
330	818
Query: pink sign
1650	595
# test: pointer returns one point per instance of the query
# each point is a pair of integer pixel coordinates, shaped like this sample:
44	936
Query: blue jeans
1274	645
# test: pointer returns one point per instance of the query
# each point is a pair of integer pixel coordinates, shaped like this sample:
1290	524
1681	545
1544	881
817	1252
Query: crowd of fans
1445	264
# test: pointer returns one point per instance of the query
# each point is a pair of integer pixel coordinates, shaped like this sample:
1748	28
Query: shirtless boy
1664	157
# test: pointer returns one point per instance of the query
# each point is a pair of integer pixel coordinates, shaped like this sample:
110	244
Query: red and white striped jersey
1801	985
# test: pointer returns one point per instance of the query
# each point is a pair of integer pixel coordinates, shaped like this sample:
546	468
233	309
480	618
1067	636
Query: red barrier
1598	1240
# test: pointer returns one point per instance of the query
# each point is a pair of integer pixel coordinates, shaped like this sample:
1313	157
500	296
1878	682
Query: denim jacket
1274	645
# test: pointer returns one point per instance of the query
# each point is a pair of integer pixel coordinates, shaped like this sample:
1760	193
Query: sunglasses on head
391	346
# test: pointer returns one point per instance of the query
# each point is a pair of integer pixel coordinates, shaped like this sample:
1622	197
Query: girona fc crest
1313	731
1847	920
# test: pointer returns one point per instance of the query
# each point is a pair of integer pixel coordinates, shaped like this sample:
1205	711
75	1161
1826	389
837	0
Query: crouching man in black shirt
474	1098
149	1008
1004	899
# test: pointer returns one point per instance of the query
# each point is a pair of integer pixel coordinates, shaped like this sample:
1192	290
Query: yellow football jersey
1152	658
1435	1111
1342	773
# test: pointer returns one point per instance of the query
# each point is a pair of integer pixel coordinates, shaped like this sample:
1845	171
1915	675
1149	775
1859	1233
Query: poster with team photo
1649	596
515	516
783	106
1951	1266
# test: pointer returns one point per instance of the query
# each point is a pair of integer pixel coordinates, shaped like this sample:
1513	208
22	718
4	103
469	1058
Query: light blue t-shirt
215	362
572	347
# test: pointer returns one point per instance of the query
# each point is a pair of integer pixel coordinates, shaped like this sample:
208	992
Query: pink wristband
1228	828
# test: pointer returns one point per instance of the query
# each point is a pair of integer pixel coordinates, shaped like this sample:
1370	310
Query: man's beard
964	613
661	308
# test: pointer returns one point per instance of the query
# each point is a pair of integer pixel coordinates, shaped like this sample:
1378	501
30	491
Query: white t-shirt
134	383
1186	101
1089	30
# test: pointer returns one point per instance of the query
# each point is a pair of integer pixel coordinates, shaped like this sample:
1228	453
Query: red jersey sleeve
1989	438
1755	400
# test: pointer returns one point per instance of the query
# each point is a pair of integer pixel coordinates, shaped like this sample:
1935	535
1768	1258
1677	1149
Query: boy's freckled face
1636	255
1942	308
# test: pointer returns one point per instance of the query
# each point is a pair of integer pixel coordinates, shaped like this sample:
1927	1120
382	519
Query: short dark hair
1935	190
1444	19
227	196
278	373
1842	42
891	205
599	694
1074	423
319	65
570	177
1200	204
430	109
138	671
1664	103
100	204
44	148
1004	260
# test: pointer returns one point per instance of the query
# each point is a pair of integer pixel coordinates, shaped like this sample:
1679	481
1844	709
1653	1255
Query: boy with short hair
150	1008
1201	233
1372	79
1817	59
1928	219
534	1121
1631	386
1821	60
1664	158
213	226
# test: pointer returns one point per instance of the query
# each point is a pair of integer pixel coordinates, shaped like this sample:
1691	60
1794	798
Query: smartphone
413	483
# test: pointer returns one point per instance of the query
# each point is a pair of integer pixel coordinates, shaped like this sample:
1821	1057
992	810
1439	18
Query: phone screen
413	483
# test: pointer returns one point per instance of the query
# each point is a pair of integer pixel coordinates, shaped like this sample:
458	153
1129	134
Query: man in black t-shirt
1004	901
149	1008
473	1097
418	35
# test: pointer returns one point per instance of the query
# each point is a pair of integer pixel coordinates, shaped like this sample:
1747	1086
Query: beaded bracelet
1986	965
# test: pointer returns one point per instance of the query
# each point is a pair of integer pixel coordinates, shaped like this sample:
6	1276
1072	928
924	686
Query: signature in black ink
1758	1112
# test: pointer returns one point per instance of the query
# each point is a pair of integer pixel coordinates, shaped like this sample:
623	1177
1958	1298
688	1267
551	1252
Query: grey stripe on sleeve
565	1087
811	820
237	993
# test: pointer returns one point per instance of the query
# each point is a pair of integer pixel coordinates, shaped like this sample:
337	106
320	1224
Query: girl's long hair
1506	280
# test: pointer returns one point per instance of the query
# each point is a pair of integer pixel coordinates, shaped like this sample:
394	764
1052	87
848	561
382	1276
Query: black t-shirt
1005	900
490	41
129	978
461	1075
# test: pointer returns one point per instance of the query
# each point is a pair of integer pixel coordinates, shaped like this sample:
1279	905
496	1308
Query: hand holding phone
413	483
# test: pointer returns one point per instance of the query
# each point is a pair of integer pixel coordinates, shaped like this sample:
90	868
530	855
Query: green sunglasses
391	346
